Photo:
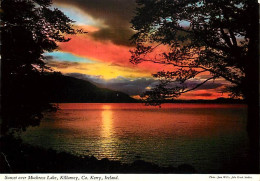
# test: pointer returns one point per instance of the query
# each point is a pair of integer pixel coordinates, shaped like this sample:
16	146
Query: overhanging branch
218	74
198	85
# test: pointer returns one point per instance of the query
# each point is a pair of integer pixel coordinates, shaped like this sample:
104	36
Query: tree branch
195	66
225	37
234	40
198	85
10	169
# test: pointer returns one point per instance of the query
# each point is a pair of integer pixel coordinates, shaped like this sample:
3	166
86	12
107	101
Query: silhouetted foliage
215	36
202	36
28	29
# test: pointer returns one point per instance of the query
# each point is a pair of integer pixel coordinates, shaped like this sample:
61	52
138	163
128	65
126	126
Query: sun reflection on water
107	122
108	147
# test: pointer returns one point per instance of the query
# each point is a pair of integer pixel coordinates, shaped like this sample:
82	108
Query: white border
128	177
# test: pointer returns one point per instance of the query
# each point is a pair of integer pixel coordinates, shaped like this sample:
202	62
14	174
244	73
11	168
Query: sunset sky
102	55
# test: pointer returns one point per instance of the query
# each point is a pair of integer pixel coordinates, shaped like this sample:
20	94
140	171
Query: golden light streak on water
107	122
108	139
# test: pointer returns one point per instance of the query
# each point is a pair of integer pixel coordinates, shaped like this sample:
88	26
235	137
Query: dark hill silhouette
60	88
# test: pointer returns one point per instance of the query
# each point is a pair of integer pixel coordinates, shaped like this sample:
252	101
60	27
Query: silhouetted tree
28	29
215	36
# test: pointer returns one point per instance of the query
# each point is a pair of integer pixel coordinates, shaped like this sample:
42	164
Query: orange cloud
203	94
107	52
103	51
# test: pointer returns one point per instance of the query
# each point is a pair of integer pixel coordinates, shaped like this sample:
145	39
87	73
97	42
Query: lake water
207	136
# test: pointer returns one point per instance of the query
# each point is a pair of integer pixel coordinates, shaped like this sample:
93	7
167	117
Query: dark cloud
198	94
190	84
118	36
202	94
63	64
209	85
116	14
48	58
115	65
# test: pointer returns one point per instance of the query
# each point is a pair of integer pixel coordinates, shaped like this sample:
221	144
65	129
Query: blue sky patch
64	56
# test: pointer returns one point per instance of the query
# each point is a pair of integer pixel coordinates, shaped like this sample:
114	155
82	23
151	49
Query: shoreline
18	157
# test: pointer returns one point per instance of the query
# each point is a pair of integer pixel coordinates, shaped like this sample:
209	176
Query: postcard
129	90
